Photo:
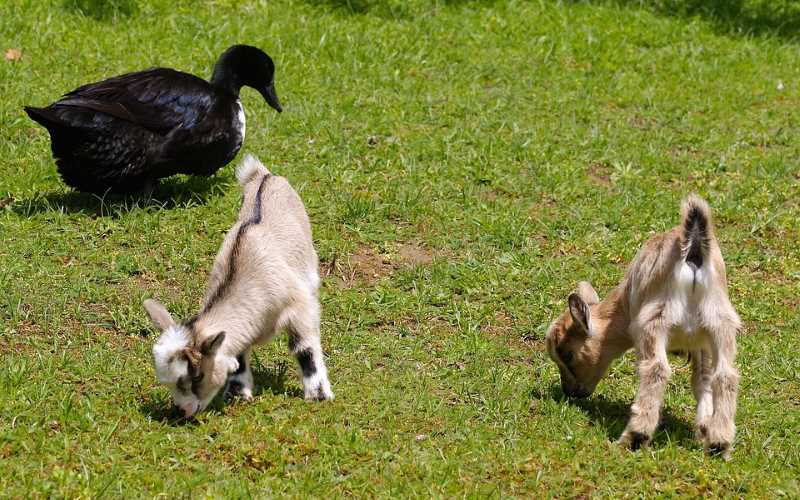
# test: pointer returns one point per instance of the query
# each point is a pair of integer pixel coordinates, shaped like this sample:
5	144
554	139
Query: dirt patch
365	265
506	327
414	255
547	203
368	266
600	173
641	122
148	282
502	324
489	195
11	343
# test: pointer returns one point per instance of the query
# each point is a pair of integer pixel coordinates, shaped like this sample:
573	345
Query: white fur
317	385
688	291
248	169
264	279
170	368
242	120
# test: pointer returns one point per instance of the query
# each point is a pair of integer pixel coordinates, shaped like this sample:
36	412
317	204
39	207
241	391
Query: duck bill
271	97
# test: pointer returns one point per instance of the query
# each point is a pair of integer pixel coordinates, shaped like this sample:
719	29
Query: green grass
464	164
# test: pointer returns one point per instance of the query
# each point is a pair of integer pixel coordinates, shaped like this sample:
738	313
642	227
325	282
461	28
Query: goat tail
249	169
697	230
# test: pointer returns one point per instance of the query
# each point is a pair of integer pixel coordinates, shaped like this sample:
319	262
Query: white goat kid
673	297
264	280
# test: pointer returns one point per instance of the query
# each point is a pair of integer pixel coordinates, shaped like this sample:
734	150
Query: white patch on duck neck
242	121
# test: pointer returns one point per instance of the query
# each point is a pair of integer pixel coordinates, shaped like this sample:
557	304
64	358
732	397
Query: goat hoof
720	449
237	389
639	440
321	393
634	440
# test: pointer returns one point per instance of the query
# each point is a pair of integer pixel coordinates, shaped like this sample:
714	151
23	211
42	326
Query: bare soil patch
368	266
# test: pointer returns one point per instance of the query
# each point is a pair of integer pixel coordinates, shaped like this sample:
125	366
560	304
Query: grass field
464	164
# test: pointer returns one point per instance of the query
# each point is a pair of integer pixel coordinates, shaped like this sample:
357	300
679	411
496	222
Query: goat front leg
305	345
654	372
240	382
719	429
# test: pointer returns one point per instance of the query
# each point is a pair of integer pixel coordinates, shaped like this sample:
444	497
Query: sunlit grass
464	164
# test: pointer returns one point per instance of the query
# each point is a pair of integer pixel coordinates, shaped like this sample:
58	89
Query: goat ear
211	344
579	310
158	314
587	293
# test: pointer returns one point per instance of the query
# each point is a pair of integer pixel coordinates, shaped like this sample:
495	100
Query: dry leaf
13	55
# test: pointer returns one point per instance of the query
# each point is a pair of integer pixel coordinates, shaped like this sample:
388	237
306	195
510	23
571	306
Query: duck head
243	65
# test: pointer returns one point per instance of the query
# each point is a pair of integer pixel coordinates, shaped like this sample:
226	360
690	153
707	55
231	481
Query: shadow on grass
780	18
162	410
271	380
171	193
101	10
613	415
387	9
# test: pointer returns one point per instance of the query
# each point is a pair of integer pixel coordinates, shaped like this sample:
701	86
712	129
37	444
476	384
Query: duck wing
158	99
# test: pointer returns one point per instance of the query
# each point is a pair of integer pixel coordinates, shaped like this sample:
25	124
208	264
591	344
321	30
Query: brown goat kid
673	297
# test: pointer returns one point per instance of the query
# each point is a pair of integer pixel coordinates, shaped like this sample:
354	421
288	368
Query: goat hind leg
304	343
701	387
719	429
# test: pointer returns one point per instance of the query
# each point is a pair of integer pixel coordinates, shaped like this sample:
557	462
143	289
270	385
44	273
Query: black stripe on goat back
254	219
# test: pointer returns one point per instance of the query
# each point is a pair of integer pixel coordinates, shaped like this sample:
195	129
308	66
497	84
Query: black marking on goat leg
320	394
306	360
235	387
228	278
717	448
242	365
638	440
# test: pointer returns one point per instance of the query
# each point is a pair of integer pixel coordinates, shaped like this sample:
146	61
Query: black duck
121	134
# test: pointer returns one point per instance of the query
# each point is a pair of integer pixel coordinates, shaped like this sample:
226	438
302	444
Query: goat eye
197	377
566	357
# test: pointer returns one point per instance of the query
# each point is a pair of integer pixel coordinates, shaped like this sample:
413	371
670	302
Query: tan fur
654	310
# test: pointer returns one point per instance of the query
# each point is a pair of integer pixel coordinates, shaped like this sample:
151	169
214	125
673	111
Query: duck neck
225	78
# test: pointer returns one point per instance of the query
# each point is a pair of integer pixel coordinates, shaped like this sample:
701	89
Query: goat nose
188	409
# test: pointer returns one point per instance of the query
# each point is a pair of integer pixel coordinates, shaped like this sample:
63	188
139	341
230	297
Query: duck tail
697	230
44	116
249	169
